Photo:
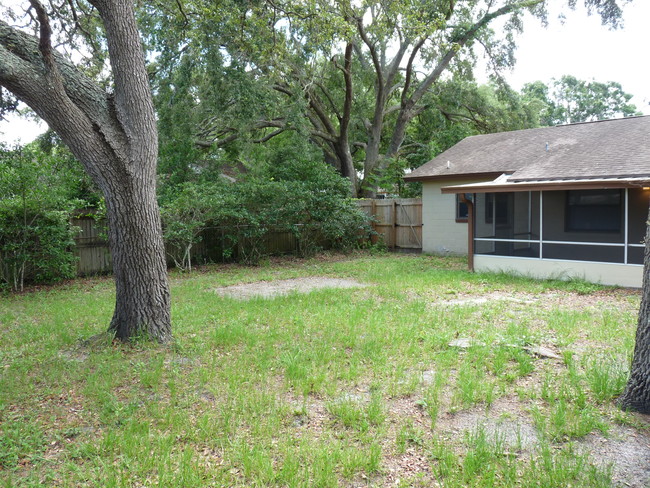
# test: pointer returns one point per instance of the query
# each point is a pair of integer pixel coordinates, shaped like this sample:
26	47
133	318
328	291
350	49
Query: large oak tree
113	133
361	72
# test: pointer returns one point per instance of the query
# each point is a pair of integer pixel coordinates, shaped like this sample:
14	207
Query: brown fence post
373	213
394	222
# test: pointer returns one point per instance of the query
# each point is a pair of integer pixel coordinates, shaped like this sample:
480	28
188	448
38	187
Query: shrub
35	234
302	197
34	245
184	217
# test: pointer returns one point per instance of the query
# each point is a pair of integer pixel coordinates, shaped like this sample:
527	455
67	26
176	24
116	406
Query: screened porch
593	225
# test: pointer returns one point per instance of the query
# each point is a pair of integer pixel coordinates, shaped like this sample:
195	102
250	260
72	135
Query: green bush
34	245
35	233
184	217
302	197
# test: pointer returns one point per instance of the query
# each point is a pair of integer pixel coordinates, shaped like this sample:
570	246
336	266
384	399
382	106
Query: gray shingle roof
608	148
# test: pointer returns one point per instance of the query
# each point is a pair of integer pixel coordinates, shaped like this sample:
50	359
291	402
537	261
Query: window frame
460	204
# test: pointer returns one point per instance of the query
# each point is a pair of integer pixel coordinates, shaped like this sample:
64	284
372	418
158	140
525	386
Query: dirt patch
269	289
412	467
504	422
626	450
490	297
620	299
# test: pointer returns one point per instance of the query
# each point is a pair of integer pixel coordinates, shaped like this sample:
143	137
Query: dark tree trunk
344	157
115	138
373	156
637	392
329	155
142	300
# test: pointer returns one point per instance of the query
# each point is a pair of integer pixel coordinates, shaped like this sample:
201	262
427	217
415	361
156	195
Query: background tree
360	73
456	108
351	77
570	100
113	133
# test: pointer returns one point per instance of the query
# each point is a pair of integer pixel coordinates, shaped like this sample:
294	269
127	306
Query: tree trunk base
98	341
636	396
634	406
143	327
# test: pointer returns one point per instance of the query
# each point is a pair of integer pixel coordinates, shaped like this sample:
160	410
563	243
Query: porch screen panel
514	249
584	216
637	217
584	252
507	224
635	255
484	215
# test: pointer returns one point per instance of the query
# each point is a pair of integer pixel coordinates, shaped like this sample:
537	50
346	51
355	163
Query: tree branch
409	67
373	52
270	136
347	103
460	40
58	93
134	107
45	37
325	92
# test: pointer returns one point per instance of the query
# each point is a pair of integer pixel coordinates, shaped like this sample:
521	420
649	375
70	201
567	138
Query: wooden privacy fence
91	248
398	221
93	255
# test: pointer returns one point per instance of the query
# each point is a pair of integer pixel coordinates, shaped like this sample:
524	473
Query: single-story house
569	201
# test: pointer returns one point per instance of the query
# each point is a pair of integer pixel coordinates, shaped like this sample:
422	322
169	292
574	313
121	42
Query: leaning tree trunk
114	135
637	392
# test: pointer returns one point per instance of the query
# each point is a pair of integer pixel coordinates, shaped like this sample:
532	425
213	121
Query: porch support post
541	222
625	226
470	228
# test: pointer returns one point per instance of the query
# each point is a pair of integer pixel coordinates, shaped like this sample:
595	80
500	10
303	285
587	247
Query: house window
462	212
593	211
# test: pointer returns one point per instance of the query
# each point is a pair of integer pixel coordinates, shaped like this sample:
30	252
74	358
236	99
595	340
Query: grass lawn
335	387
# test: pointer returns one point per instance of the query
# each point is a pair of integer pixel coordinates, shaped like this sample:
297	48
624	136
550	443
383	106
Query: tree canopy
569	100
350	77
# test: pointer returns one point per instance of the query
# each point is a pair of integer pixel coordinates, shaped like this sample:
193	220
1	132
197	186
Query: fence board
91	249
93	256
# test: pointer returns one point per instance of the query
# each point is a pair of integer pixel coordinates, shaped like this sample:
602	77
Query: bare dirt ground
267	289
625	449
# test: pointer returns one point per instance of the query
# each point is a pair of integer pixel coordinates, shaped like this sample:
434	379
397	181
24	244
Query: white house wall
603	273
441	234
